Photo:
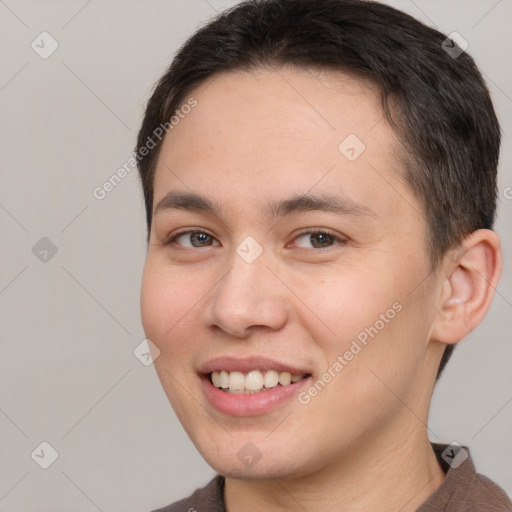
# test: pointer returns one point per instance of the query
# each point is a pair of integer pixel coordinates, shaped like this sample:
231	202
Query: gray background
69	325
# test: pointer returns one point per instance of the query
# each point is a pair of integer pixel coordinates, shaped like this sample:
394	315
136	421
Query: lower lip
245	404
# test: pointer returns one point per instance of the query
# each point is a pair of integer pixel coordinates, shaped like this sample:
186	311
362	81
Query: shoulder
485	492
208	498
463	489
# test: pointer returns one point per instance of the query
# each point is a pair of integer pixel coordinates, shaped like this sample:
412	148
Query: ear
471	273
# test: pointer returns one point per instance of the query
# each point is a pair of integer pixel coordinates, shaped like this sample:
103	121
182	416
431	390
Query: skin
265	135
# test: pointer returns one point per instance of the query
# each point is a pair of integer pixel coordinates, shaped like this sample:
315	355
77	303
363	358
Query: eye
320	239
192	239
316	239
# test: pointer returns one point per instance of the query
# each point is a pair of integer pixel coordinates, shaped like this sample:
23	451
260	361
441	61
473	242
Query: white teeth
256	380
285	378
223	379
271	379
236	381
216	379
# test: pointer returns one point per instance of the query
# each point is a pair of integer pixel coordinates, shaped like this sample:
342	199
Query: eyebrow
340	205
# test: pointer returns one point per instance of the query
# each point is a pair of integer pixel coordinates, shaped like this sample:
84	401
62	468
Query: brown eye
192	239
319	239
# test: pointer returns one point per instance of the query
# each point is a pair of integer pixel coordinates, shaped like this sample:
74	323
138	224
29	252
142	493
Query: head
274	111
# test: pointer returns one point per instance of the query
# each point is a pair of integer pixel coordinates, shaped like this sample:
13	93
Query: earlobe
469	286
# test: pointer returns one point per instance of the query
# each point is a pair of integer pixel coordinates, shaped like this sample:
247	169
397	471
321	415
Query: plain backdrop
71	264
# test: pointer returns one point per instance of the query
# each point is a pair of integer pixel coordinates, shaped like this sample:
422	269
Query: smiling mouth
254	381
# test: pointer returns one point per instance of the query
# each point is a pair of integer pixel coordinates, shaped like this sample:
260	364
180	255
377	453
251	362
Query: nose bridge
248	295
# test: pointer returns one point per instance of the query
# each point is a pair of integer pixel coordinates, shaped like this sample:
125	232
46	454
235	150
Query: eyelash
338	239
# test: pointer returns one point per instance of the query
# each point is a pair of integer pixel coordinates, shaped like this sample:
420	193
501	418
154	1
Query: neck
383	475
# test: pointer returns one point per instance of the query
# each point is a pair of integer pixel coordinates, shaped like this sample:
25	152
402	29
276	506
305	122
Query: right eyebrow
187	201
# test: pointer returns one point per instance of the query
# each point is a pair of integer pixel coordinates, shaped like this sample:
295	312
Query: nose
248	297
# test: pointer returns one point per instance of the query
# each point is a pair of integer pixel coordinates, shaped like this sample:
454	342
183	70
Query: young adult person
320	186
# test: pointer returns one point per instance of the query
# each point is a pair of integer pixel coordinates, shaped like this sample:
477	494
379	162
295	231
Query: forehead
287	106
259	132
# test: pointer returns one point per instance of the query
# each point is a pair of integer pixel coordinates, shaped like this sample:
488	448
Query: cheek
167	301
153	302
381	331
372	321
343	305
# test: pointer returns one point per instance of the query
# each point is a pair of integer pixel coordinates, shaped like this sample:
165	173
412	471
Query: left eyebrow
340	205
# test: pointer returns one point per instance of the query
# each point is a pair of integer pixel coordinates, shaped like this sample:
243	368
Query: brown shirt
462	490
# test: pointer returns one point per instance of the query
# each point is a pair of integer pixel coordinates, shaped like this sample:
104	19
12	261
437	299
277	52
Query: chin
251	462
262	470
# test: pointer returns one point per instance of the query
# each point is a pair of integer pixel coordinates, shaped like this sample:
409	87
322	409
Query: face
284	242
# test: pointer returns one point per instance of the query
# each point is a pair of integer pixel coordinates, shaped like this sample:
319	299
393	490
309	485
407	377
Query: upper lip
246	364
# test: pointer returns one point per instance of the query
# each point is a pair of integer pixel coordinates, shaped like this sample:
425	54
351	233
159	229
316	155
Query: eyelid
340	239
171	238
